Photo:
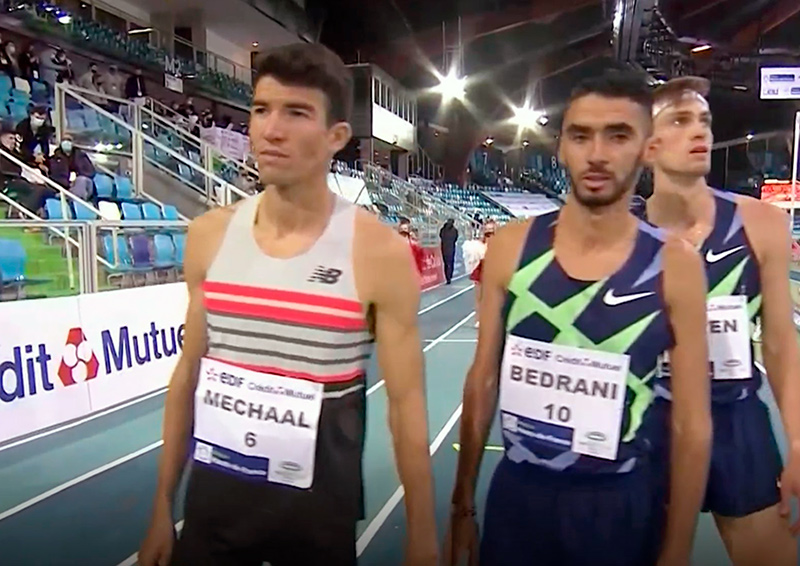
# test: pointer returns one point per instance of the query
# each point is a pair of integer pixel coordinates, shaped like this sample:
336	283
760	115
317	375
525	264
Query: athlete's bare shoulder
204	237
766	225
504	250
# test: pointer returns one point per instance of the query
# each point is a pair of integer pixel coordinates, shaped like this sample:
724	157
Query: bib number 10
562	414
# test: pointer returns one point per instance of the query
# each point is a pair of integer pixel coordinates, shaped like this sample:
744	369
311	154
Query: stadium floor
81	494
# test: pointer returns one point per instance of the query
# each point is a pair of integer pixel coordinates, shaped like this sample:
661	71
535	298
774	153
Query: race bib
255	424
569	397
729	338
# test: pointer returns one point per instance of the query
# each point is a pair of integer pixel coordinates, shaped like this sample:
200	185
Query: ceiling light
255	44
452	86
527	117
701	48
489	141
740	87
526	143
749	137
65	19
543	120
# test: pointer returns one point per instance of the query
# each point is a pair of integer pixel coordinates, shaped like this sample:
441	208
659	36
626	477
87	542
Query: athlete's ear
339	135
651	147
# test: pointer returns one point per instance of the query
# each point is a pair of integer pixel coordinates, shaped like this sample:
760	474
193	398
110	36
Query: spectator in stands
16	182
187	108
63	67
71	168
448	236
90	80
112	83
29	68
135	87
34	134
8	60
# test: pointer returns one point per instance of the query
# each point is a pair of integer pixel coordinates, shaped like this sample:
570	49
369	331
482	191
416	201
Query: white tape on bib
255	424
569	397
729	338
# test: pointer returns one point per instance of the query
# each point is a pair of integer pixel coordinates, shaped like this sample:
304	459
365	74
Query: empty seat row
140	253
110	211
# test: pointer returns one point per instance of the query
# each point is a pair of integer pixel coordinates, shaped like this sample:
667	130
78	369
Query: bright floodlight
65	19
452	86
543	120
528	117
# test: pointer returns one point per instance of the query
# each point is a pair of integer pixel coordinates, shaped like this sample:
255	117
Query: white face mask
37	122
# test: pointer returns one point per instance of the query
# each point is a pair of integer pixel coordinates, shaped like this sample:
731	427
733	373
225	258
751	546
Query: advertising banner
432	267
62	359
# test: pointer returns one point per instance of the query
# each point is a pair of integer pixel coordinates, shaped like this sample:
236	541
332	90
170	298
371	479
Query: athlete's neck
303	207
597	228
680	202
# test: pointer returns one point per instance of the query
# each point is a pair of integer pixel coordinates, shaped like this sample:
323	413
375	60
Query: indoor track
81	493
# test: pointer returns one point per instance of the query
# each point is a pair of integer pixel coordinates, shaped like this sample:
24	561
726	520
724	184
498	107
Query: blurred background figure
449	236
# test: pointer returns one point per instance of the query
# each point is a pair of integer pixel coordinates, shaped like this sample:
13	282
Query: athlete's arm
779	337
685	291
396	301
482	384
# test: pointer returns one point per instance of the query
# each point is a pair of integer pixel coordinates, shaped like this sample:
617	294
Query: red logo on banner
77	353
431	268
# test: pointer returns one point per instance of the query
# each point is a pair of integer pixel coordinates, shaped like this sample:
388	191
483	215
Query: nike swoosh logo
613	300
711	257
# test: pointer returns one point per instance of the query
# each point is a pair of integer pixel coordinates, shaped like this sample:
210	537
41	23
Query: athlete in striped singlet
746	247
577	307
288	289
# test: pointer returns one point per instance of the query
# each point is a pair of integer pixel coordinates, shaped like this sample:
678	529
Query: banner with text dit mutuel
62	359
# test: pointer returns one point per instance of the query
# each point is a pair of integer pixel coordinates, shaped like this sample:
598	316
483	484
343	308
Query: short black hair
311	65
616	84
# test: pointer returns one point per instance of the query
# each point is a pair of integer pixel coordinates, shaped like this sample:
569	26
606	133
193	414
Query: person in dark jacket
135	86
449	236
68	160
12	183
35	132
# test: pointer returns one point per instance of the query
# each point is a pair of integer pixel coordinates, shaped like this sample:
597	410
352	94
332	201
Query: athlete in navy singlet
746	249
578	306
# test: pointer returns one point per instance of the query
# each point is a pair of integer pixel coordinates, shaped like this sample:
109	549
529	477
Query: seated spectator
17	182
71	168
34	134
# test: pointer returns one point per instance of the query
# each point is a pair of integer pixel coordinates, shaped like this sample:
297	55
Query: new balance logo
326	275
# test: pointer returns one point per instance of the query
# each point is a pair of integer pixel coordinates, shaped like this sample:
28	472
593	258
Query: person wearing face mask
12	183
35	132
68	162
88	80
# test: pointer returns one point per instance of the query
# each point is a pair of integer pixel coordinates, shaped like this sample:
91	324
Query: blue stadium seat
131	211
12	261
104	186
180	247
151	212
83	212
164	251
170	212
124	188
53	210
140	251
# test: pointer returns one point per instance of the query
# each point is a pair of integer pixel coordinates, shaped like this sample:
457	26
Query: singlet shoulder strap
540	237
727	220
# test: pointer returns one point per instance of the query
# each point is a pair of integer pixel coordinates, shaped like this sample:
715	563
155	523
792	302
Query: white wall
219	46
124	8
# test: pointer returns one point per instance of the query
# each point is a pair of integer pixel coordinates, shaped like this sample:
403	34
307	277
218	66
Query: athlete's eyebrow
291	105
613	128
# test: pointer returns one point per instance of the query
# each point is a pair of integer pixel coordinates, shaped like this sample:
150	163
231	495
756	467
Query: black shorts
556	519
232	522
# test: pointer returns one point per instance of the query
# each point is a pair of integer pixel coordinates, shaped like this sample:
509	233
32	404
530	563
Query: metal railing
209	187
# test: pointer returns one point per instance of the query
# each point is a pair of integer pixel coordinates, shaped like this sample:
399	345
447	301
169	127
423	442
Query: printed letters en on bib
255	424
571	398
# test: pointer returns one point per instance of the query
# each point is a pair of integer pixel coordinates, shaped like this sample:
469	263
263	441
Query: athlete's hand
156	549
461	540
790	487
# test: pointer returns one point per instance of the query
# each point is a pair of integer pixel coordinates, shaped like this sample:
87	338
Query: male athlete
287	290
577	306
746	245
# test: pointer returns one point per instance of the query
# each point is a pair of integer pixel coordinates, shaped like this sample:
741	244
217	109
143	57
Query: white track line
382	516
75	481
398	495
158	392
430	346
73	424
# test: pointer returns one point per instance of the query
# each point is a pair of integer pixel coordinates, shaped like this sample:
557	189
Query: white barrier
62	359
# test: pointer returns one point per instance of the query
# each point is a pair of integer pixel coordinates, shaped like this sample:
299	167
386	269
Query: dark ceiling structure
536	50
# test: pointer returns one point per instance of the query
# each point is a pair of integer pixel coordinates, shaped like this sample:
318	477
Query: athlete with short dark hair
746	246
288	290
577	307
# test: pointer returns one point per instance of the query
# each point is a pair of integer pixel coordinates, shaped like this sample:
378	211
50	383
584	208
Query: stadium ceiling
536	50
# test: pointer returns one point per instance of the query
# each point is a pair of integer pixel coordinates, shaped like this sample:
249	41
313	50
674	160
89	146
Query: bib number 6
563	413
250	439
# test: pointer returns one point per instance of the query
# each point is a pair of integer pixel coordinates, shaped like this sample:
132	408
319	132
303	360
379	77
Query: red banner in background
431	267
